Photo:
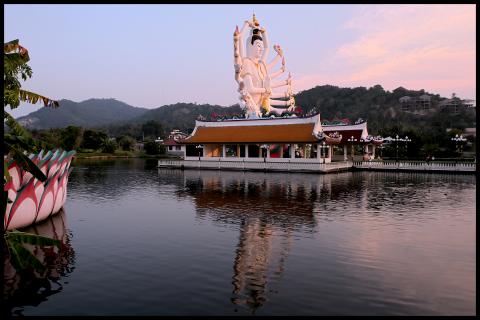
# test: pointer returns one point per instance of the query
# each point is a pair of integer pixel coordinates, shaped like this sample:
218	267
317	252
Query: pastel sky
153	55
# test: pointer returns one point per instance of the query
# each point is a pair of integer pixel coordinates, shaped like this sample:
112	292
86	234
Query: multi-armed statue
254	76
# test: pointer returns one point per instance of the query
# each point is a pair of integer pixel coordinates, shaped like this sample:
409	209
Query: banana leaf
33	98
21	258
33	239
25	163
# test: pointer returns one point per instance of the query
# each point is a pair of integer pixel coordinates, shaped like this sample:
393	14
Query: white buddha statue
254	75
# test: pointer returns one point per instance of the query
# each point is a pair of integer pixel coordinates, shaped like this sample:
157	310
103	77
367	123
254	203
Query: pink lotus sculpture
33	200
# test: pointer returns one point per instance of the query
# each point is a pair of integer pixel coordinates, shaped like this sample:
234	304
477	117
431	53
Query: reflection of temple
32	285
268	210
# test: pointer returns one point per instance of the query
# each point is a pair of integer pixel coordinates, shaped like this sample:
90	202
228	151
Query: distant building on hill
424	104
417	105
454	105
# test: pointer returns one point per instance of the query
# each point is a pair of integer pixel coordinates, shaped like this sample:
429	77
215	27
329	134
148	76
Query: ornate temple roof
277	130
358	131
281	133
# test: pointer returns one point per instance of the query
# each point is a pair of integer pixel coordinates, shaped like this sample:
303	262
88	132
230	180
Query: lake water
145	241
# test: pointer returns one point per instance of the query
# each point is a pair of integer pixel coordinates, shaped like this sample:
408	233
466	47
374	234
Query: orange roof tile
286	133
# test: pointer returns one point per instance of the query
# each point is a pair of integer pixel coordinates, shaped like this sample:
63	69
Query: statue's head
255	45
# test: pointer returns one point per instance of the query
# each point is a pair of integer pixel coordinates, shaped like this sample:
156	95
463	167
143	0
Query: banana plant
18	141
17	144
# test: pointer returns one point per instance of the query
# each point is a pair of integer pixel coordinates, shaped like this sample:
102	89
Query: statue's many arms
254	75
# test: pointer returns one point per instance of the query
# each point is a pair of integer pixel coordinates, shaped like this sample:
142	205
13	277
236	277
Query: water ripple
154	241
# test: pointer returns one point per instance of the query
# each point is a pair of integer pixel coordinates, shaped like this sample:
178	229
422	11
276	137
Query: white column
224	154
345	152
246	151
319	150
373	151
292	151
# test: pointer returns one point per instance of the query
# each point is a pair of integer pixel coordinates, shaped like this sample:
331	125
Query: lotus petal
59	195
12	195
52	167
40	155
15	172
39	190
24	208
55	188
47	200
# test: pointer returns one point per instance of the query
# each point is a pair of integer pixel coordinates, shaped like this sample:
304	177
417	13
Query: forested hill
182	116
88	113
380	108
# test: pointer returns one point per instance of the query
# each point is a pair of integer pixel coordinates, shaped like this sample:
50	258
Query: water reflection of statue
260	253
33	284
254	76
266	225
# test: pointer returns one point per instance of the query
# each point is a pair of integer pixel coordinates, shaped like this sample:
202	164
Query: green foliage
48	139
383	112
71	137
18	141
22	160
182	116
152	148
16	144
22	258
15	58
91	113
127	143
93	139
109	146
152	129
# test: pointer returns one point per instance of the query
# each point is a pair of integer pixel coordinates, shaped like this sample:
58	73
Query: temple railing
416	165
287	166
299	166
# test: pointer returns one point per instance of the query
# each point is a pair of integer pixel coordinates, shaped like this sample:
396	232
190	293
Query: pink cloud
429	47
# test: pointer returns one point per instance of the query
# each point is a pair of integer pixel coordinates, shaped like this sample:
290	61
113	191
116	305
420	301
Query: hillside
88	113
183	115
380	108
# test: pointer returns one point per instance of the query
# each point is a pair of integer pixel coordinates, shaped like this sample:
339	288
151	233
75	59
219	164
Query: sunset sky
153	55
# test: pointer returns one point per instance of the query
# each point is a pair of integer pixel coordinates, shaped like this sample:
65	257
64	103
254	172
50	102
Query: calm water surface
145	241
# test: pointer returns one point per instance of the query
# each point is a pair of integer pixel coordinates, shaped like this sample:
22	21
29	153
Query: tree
153	129
72	137
126	142
109	146
151	147
93	139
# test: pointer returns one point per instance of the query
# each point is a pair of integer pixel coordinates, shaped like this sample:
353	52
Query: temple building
292	139
171	144
271	135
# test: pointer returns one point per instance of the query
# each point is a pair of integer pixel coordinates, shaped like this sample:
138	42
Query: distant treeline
380	108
